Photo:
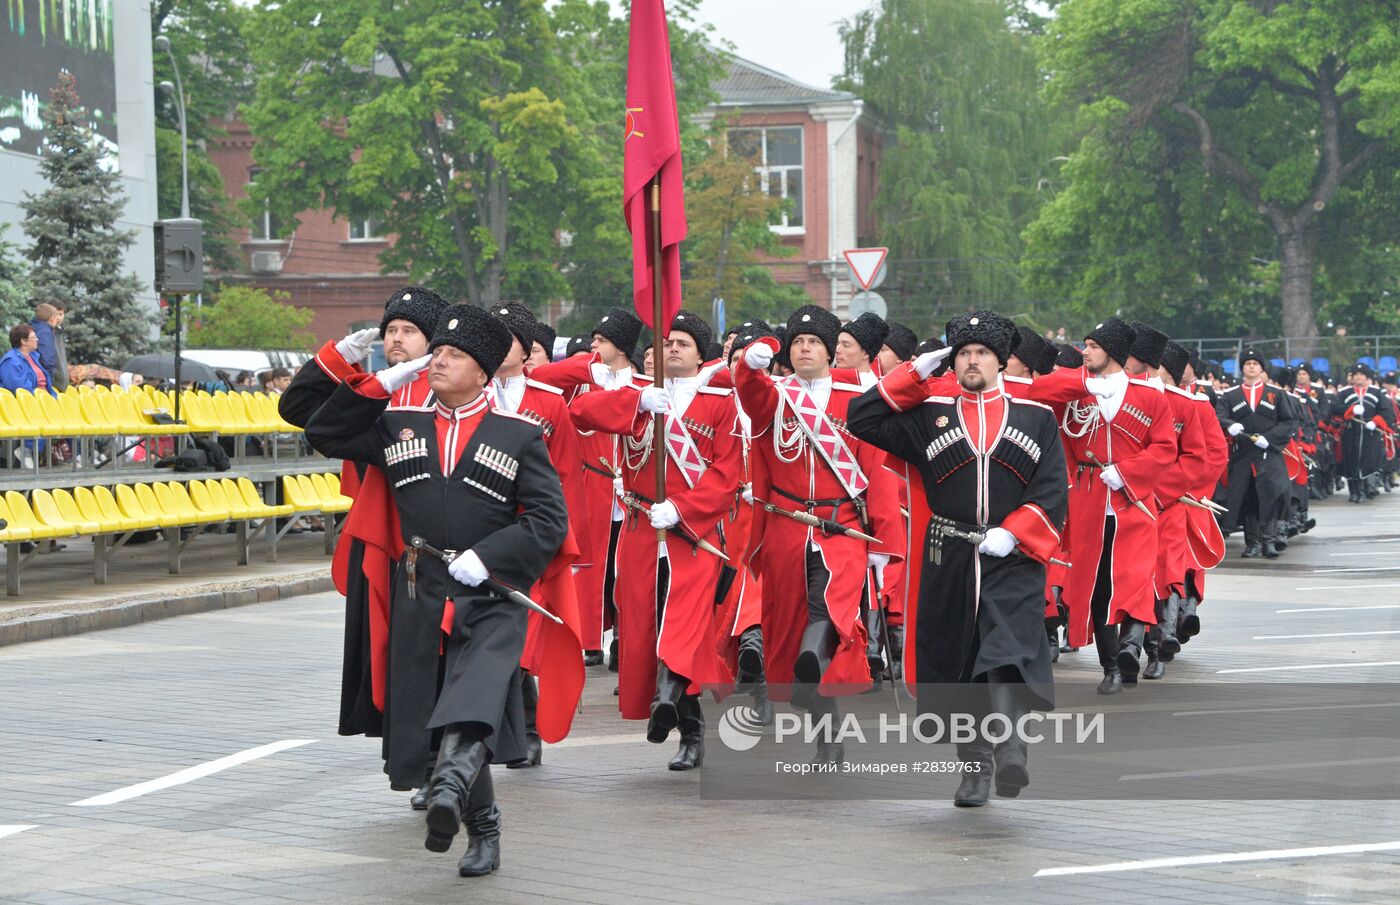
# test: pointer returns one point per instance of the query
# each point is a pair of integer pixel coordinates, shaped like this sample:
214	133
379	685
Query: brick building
814	146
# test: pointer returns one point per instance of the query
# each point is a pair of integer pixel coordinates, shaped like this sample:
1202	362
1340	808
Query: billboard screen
39	39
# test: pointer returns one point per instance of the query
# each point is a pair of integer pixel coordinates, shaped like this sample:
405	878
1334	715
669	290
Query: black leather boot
1112	681
1190	621
665	714
1167	619
592	658
761	704
814	655
874	647
828	752
976	785
533	746
1152	647
460	758
1012	772
1131	635
419	801
750	655
896	645
692	726
1052	632
483	823
612	654
1106	643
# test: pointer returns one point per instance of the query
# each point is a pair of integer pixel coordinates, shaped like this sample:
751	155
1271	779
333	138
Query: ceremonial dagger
812	521
976	537
495	586
632	503
1138	503
1209	505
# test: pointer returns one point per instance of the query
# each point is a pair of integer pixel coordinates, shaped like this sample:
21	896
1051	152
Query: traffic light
179	256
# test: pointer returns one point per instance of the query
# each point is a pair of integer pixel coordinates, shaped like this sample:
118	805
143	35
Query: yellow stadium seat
204	501
234	506
71	405
73	514
90	511
12	423
175	498
107	504
155	498
59	423
300	498
331	499
136	504
258	415
114	413
253	498
13	530
47	510
34	416
22	516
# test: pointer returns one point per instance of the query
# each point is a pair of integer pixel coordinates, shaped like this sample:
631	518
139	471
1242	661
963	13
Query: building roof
747	84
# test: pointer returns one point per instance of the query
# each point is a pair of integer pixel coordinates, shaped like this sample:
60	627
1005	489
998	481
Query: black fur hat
1148	343
576	345
747	332
619	327
814	321
1034	350
1253	355
869	331
1175	359
475	331
901	340
1115	337
520	321
420	307
698	328
981	326
1069	357
545	335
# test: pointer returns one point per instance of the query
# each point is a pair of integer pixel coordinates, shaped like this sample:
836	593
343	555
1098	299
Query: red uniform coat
1185	476
680	631
778	547
1206	543
1141	441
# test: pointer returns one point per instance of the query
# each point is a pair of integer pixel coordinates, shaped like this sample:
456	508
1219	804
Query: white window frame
368	226
766	174
263	220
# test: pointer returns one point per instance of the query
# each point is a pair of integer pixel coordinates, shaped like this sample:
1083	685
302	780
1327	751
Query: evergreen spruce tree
15	304
77	248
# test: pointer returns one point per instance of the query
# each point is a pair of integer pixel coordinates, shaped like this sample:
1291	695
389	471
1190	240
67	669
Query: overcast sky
796	37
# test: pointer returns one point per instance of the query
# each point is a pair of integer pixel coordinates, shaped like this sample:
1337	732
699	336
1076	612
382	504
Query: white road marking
10	829
1310	666
1259	768
190	774
1286	709
1324	635
1357	553
1222	858
1343	587
1358	569
1338	609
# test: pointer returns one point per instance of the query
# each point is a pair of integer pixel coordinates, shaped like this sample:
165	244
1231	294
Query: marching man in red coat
668	631
1119	438
807	462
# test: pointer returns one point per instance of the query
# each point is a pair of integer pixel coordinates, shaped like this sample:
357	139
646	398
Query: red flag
652	147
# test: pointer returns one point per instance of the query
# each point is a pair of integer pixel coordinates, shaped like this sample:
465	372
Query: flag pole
657	340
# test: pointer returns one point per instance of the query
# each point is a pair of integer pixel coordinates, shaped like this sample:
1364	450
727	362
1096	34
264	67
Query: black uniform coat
502	500
976	613
1274	420
1363	451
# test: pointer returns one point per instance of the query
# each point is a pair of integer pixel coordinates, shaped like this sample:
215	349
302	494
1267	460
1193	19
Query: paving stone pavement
603	821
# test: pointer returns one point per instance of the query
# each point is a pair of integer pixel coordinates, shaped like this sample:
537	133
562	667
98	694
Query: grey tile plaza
603	820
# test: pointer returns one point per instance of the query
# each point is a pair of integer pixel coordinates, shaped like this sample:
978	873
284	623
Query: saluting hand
401	374
758	356
356	346
928	362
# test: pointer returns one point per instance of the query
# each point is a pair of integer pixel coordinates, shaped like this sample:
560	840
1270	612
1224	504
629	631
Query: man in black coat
478	483
1259	417
1364	409
993	470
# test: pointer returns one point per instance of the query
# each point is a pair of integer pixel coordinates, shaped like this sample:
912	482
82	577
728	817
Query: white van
231	361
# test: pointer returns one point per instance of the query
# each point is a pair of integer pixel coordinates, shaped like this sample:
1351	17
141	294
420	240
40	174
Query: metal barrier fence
1324	353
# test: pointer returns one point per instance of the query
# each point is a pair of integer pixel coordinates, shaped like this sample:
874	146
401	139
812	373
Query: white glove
1111	477
656	400
999	542
758	356
1370	425
401	374
356	346
1261	442
708	374
1358	410
618	489
927	363
748	494
1099	387
877	562
1236	429
468	569
664	515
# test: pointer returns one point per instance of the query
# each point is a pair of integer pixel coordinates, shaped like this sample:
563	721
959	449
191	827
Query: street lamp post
162	43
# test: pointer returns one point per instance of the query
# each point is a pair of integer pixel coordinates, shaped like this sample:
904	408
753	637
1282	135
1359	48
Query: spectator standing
46	317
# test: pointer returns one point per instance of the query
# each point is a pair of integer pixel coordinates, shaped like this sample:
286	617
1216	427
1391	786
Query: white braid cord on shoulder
636	451
1083	420
787	448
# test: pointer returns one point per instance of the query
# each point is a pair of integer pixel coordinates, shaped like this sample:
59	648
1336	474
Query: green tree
956	84
206	39
16	303
1241	125
77	249
243	317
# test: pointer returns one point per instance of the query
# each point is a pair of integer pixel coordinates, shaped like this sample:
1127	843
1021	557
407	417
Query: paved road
603	821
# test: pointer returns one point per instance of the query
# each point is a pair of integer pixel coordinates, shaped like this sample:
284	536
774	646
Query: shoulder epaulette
848	387
543	386
716	391
1040	405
